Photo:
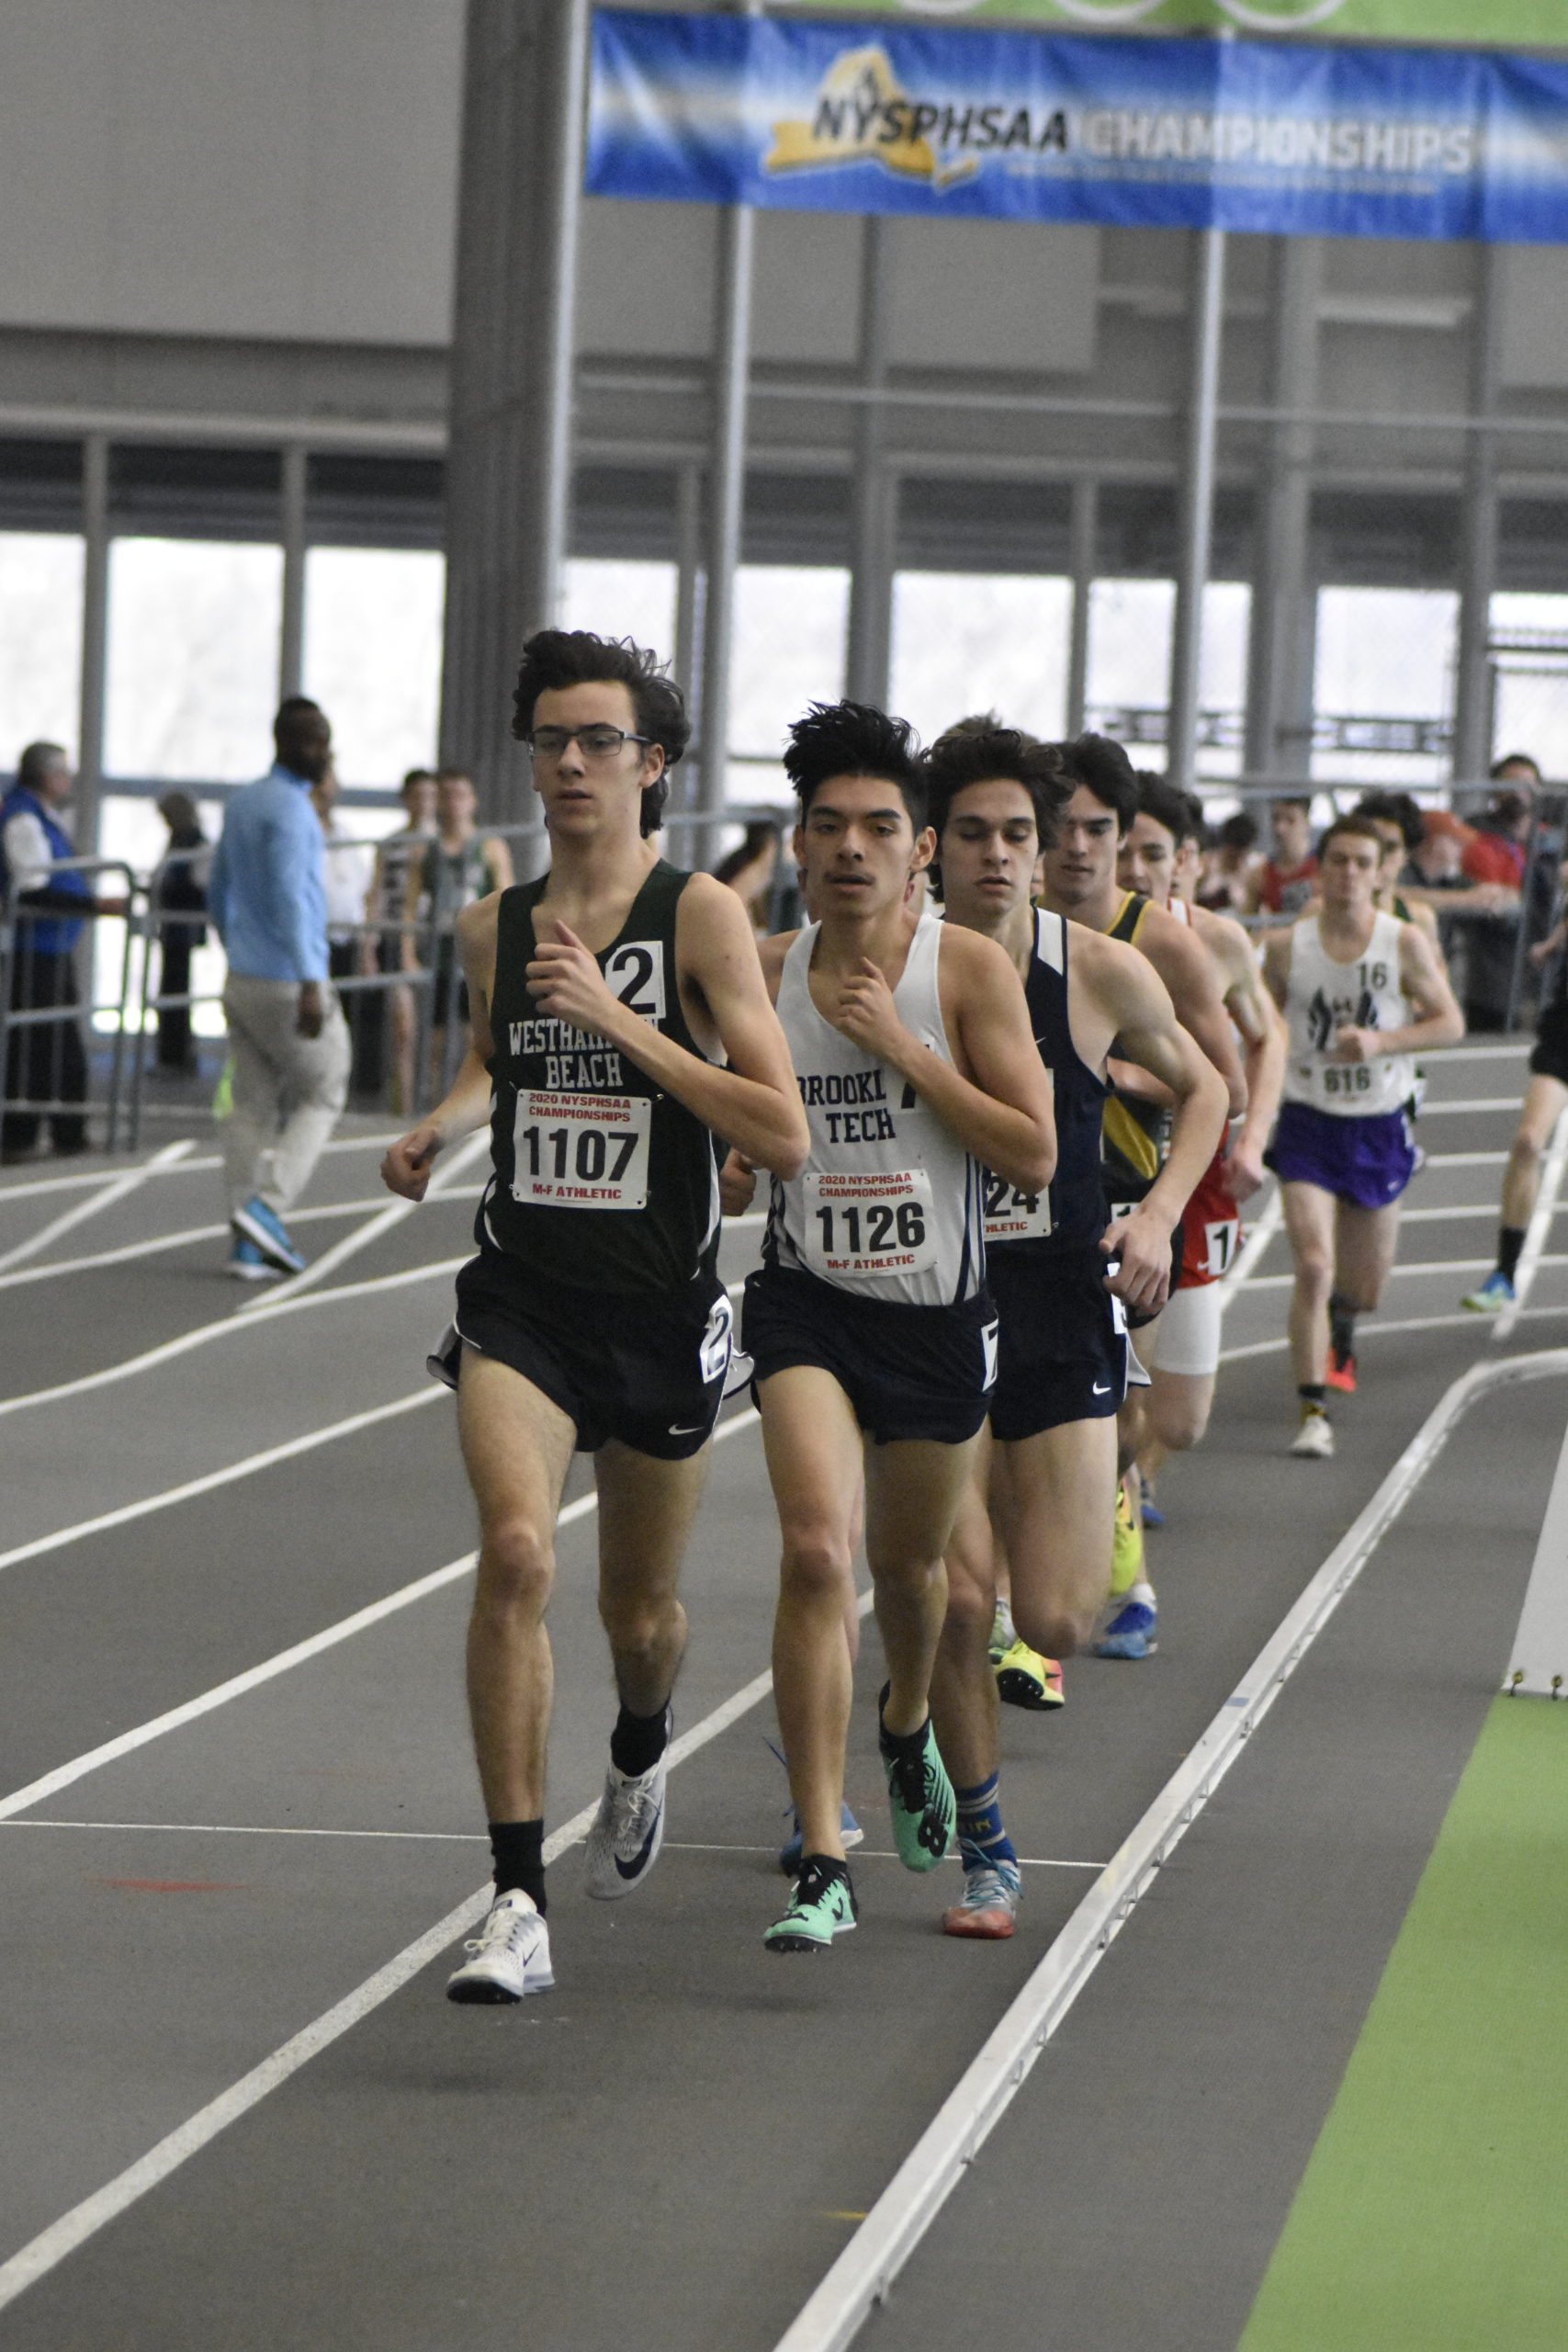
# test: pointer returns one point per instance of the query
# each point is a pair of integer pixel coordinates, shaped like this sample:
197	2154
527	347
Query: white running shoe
627	1831
510	1954
1314	1439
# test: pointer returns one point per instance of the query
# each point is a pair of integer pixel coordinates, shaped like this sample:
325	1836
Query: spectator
1286	880
749	871
398	856
1231	868
46	1062
347	872
1496	857
458	867
182	902
286	1033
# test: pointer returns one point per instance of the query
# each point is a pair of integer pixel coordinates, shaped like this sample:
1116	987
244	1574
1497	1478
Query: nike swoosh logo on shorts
695	1430
1102	1388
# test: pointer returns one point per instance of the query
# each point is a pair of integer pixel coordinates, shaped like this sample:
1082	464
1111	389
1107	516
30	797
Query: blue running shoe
850	1831
1153	1515
256	1222
1134	1631
1495	1292
246	1262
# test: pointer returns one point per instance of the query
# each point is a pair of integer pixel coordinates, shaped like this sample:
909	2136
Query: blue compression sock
981	1836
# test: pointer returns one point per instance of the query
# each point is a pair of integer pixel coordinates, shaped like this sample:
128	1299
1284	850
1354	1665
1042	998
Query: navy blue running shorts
647	1368
908	1372
1548	1058
1062	1353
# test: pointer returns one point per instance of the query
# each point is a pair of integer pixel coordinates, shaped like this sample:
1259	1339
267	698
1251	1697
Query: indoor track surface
241	1841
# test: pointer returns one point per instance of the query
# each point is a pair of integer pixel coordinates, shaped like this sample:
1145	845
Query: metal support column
1478	531
1282	634
873	492
688	580
291	635
1083	533
509	463
725	512
95	640
1197	505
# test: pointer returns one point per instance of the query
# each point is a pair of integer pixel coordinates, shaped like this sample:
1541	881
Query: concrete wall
249	168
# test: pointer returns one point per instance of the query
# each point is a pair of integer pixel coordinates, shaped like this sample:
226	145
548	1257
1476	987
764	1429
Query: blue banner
1269	135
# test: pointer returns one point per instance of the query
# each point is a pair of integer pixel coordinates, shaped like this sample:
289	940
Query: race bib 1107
582	1151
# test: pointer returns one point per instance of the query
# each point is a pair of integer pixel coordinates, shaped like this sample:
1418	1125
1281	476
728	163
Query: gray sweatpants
289	1090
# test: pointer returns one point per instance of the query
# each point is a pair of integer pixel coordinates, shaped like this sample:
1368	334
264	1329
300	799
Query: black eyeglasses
597	742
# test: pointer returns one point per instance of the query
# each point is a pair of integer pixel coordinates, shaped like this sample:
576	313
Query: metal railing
51	1074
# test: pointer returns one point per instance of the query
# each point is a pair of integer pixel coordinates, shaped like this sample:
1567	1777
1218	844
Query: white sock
1003	1630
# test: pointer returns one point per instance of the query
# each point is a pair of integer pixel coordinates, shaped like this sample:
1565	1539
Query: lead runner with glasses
620	1018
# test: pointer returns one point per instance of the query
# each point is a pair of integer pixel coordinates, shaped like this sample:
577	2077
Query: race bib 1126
881	1222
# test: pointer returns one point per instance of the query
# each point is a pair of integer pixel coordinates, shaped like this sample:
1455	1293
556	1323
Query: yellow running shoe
1024	1678
1126	1545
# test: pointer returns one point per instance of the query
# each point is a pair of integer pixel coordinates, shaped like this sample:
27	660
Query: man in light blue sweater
286	1033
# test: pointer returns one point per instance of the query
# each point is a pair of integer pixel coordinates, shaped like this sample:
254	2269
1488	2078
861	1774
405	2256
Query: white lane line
1531	1259
1514	1045
1461	1321
1423	1266
113	1374
130	1180
862	1854
391	1215
430	1394
191	1234
1471	1208
1252	1248
52	2245
1462	1160
205	1164
1430	1110
865	2270
125	1743
254	1829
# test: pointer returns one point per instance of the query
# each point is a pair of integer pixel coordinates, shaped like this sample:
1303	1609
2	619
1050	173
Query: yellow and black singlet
1135	1134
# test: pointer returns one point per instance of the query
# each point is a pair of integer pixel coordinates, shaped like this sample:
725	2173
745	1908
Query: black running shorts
1550	1056
908	1372
1064	1352
646	1369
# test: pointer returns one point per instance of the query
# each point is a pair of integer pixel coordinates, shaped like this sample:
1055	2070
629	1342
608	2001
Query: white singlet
888	1203
1325	994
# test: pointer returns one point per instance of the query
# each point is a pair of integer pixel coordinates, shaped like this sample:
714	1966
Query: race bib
1222	1239
879	1223
582	1151
1012	1216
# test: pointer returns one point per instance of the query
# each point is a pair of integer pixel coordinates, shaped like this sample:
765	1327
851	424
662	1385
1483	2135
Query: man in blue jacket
45	1061
286	1034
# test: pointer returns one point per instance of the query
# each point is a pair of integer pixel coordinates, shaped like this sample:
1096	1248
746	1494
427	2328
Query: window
1531	679
192	636
966	641
617	599
40	639
788	651
373	656
1384	653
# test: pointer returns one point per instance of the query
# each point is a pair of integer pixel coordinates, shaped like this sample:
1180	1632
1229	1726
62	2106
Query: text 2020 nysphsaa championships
1264	135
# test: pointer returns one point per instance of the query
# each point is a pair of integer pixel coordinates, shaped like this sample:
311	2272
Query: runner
869	1323
1348	981
1158	857
1079	869
1058	1273
1546	1098
1285	880
602	996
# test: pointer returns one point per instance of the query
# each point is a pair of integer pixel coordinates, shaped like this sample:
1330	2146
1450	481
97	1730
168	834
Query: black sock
518	1849
1510	1241
1341	1326
897	1743
1312	1391
638	1741
824	1867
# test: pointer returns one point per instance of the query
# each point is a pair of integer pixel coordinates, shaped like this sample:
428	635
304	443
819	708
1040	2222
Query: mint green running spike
822	1907
919	1797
